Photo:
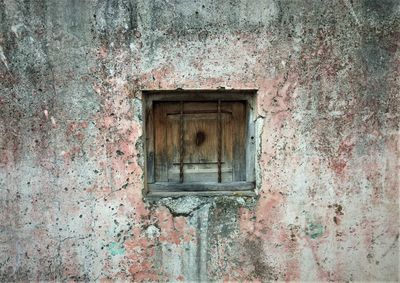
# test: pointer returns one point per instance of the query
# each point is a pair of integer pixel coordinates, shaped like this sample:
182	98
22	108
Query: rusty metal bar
197	163
181	149
219	141
198	111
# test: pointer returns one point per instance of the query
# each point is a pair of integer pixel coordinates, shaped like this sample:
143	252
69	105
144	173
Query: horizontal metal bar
198	111
196	163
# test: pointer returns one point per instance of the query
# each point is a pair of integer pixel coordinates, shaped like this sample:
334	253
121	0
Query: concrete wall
71	144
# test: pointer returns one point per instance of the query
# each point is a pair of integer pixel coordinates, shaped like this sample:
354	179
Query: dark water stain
382	8
262	271
200	138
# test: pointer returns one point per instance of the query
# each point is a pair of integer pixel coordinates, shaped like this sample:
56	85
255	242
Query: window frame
170	189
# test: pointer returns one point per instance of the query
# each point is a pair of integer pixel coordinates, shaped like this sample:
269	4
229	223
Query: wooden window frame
163	189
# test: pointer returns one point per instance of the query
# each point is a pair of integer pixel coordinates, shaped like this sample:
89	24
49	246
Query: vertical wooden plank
227	142
160	146
239	140
173	141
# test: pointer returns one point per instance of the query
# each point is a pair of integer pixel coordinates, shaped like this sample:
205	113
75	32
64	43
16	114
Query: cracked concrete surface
71	140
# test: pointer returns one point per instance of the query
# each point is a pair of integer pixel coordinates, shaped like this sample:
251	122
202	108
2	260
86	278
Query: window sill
163	189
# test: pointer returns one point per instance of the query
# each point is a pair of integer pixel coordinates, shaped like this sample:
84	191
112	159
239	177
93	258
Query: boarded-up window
199	143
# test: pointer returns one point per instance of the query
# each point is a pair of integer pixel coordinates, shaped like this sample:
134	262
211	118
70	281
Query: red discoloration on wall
293	271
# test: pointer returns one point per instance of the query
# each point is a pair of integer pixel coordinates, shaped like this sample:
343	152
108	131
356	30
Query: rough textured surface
71	144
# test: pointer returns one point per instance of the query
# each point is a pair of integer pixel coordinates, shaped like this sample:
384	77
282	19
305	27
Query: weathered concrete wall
71	144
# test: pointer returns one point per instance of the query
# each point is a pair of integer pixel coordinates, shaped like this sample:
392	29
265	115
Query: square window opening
199	142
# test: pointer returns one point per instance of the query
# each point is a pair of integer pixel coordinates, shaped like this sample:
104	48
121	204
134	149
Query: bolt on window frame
169	189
